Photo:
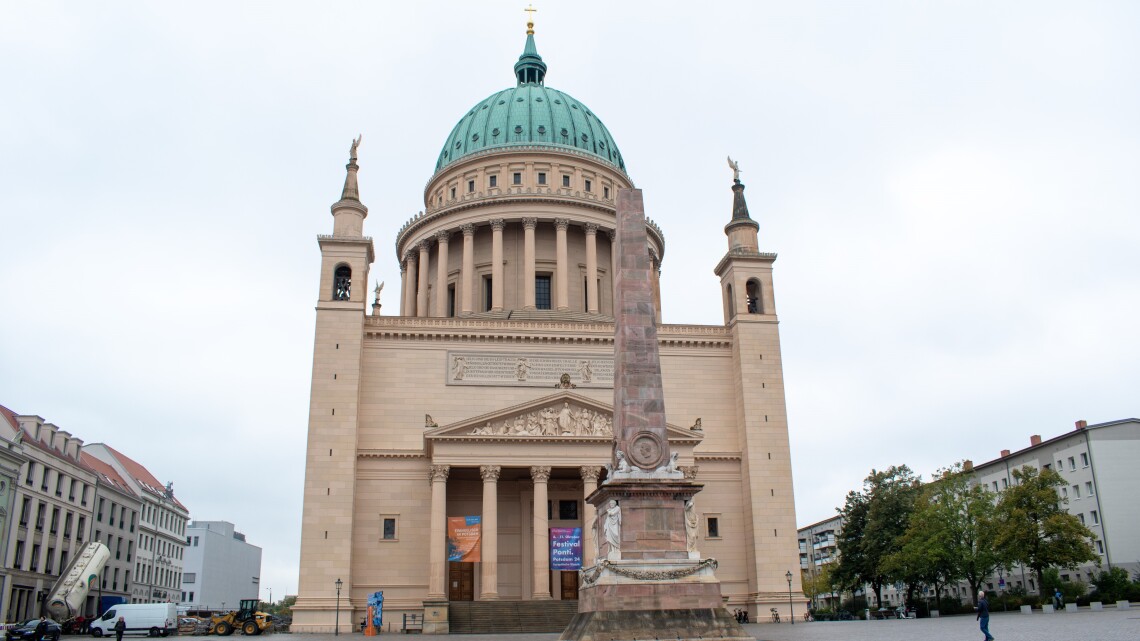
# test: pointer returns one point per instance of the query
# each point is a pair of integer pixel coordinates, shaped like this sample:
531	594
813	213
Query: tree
817	584
874	522
1034	529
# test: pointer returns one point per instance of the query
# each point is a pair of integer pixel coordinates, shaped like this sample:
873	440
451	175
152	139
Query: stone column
490	551
422	294
528	262
443	238
497	226
591	268
655	273
467	278
410	290
590	475
541	546
403	287
613	271
437	553
563	268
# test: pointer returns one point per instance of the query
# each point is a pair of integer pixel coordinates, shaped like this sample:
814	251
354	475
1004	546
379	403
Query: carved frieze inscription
529	370
560	419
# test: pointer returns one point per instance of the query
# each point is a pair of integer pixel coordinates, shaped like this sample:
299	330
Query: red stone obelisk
648	580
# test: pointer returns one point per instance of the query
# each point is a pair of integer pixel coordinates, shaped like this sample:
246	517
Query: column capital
498	224
590	473
591	228
540	473
490	472
411	255
561	223
613	235
468	229
438	473
529	223
443	236
424	245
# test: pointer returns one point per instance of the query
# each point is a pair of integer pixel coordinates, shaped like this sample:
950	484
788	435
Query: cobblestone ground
1109	625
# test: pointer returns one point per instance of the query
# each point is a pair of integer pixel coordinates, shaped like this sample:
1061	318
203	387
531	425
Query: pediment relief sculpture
558	419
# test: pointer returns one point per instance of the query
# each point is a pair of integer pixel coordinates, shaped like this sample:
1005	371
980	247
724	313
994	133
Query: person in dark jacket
41	628
120	628
984	616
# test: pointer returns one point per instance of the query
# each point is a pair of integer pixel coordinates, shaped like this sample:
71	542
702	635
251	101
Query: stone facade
477	400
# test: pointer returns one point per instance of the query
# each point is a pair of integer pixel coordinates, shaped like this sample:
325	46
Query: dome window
475	138
518	129
564	132
495	132
541	129
585	137
484	106
502	102
573	106
539	99
601	145
519	99
557	101
458	144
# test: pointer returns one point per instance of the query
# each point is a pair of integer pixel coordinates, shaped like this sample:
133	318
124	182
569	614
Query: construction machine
246	618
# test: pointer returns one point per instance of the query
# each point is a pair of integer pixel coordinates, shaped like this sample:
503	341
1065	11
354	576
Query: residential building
221	567
116	517
12	460
819	547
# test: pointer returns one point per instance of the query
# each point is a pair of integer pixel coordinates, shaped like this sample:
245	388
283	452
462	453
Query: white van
149	619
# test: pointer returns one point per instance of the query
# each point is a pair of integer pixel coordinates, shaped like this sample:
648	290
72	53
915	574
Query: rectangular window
1065	493
588	186
1072	464
565	180
995	486
388	531
1048	466
40	516
542	291
18	559
67	525
99	512
494	181
1076	491
1099	547
1081	517
1084	459
25	510
1095	517
713	527
49	562
542	177
54	520
111	515
1004	484
189	577
516	178
453	193
451	299
80	528
34	563
44	478
605	192
568	510
488	294
31	470
59	485
84	499
1088	488
470	186
71	490
195	541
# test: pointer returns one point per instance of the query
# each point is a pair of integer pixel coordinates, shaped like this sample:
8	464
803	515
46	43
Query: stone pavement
1109	625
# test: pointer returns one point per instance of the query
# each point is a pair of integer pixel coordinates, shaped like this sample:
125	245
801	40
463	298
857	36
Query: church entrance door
569	586
461	581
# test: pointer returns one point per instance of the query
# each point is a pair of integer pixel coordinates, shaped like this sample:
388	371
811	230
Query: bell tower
766	468
330	462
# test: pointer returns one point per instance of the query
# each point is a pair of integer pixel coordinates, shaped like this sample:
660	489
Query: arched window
342	283
754	306
730	304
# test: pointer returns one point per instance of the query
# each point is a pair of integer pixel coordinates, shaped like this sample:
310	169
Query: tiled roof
10	416
142	476
106	473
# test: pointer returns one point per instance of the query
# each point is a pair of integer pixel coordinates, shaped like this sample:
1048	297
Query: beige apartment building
486	389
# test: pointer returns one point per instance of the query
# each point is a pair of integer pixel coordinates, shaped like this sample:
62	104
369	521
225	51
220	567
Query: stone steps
510	617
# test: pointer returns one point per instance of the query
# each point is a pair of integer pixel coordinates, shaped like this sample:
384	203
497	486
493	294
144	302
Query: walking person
120	628
984	616
41	628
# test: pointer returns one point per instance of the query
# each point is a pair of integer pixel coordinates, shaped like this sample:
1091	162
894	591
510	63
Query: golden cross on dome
530	19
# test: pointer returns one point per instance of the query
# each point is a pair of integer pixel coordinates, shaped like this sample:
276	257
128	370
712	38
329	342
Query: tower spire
530	69
741	230
351	190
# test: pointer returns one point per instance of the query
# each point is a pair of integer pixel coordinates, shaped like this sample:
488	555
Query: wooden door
461	581
569	586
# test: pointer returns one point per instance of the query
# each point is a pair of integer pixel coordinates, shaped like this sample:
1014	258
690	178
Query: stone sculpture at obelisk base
648	579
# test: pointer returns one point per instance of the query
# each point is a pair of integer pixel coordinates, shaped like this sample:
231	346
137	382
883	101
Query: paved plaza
1109	625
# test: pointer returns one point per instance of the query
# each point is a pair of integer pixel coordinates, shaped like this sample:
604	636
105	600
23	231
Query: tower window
516	178
605	192
494	181
588	186
565	180
754	296
342	283
542	178
470	186
542	291
453	193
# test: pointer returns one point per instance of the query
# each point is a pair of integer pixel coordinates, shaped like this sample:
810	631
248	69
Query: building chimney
1082	424
1035	440
1004	453
968	465
76	446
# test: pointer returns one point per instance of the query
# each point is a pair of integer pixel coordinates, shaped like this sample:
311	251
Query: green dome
530	114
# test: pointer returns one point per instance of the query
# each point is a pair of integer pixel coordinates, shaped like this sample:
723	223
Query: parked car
27	631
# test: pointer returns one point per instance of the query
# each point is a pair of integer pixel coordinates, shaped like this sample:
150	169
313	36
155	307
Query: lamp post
339	583
791	612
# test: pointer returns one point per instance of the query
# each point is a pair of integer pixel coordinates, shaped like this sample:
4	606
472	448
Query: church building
488	399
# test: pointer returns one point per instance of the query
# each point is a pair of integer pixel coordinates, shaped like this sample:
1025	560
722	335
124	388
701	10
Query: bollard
1070	607
1027	609
1096	606
1047	608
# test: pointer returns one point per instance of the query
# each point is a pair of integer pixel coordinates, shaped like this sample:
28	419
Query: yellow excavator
246	618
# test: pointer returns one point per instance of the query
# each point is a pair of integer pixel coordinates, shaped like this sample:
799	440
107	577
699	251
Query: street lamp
339	583
791	612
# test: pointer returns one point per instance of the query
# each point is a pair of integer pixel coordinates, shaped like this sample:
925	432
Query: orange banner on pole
463	538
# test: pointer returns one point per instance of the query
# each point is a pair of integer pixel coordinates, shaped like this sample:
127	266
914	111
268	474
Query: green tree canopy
1034	529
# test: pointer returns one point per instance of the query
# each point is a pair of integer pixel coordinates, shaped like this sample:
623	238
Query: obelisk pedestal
648	580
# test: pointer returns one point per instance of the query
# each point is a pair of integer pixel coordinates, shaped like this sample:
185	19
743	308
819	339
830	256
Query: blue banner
565	548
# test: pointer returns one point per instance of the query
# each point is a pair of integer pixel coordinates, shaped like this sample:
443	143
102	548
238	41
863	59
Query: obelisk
648	580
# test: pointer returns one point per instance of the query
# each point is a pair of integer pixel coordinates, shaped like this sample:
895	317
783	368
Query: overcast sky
952	189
